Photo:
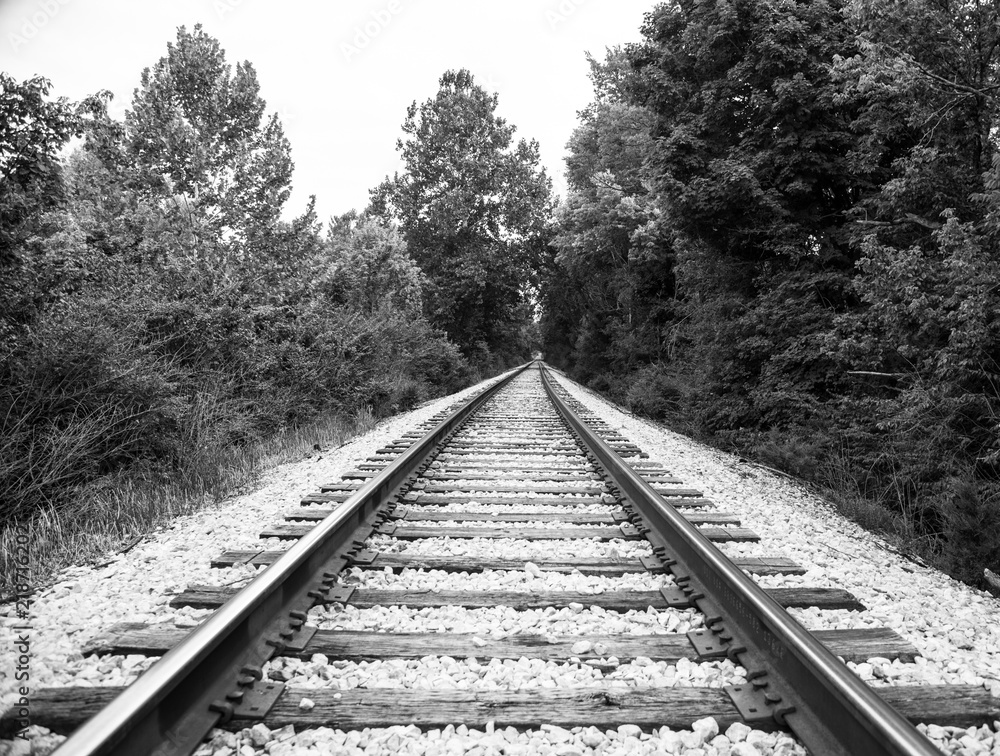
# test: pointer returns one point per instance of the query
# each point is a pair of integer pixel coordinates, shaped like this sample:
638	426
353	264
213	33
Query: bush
151	385
79	399
971	532
654	393
796	451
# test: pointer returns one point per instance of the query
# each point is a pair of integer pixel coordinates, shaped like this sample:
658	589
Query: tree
609	279
751	141
371	270
33	129
751	170
824	182
472	208
923	83
198	135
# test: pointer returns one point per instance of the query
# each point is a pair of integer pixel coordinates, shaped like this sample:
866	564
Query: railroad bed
512	597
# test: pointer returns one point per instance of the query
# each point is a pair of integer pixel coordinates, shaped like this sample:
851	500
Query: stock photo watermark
562	13
21	641
224	7
31	24
365	33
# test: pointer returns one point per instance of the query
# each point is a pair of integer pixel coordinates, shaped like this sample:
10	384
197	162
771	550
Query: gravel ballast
956	628
499	622
137	586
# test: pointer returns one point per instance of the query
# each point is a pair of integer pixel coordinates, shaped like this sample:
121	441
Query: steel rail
168	710
809	689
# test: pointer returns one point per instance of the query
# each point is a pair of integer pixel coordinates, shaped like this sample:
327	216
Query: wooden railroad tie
587	566
64	709
855	645
599	532
214	596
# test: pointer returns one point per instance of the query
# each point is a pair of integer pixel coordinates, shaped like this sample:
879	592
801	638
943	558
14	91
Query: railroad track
581	559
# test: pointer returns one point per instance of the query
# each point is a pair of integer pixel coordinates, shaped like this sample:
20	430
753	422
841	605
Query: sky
339	73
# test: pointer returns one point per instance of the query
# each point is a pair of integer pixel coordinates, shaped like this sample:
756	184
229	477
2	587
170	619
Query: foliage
199	141
608	280
32	131
472	207
806	268
749	156
373	271
159	316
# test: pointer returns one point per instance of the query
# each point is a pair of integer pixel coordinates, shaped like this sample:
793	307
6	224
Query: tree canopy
472	205
198	135
161	318
781	235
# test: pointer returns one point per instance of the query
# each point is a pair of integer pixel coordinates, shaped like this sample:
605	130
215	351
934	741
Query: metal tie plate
750	702
675	596
707	645
300	638
257	699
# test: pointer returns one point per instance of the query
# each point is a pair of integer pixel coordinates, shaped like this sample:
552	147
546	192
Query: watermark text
34	22
367	32
561	13
22	630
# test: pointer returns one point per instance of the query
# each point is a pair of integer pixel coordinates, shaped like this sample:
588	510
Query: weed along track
512	576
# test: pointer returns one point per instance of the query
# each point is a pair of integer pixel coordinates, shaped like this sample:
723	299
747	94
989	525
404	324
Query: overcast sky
339	72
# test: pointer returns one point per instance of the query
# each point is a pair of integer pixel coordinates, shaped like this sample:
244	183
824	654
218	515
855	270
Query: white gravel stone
506	580
137	586
706	728
499	622
955	627
625	740
512	548
447	673
533	524
475	507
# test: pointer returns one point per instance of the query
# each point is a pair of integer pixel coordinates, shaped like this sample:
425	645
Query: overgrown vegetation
163	332
781	235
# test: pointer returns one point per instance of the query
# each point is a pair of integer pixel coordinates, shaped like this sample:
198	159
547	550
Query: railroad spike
224	709
256	673
781	713
733	653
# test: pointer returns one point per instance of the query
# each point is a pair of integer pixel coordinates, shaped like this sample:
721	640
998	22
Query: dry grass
114	513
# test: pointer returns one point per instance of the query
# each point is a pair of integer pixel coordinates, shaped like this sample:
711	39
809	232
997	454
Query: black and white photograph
466	377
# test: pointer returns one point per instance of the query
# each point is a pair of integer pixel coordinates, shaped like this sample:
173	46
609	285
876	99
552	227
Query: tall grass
117	413
111	513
